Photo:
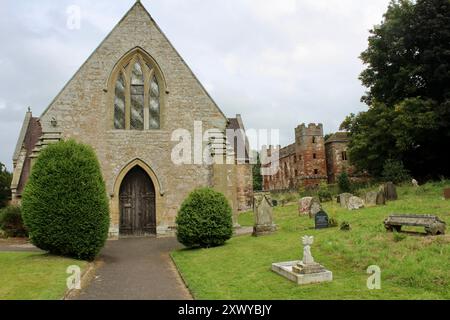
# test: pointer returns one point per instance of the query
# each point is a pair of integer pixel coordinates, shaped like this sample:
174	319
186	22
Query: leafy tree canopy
408	81
5	185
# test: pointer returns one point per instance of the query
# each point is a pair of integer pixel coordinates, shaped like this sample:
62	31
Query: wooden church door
137	204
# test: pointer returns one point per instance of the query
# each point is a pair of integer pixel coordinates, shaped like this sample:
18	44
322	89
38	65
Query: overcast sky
278	63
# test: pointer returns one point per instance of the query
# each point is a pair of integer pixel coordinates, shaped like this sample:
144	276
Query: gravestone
309	206
263	210
304	205
381	200
306	271
343	199
371	198
415	183
374	198
447	194
390	191
321	220
355	203
316	207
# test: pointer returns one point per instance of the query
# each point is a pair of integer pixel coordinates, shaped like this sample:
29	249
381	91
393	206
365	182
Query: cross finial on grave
308	241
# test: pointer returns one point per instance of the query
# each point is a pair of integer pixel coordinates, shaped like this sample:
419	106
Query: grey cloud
277	62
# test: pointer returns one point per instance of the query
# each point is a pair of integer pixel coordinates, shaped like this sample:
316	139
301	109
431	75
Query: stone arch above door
151	173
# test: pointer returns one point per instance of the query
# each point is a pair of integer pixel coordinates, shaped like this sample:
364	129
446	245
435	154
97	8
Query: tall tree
257	177
408	81
5	185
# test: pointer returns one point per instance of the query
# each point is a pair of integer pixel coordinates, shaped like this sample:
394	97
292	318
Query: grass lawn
34	276
417	267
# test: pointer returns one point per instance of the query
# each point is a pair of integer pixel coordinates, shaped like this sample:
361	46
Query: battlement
312	129
271	149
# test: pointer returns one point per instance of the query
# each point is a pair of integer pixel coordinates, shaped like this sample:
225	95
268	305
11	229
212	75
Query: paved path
137	269
17	245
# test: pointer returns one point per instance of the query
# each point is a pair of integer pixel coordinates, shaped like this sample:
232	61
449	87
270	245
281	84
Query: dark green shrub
344	183
205	219
65	205
324	193
5	186
395	171
11	222
333	222
345	226
399	236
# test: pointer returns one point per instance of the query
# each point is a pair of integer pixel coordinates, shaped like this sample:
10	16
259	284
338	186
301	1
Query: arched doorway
137	204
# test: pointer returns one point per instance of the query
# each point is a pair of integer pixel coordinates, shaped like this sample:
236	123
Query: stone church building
126	101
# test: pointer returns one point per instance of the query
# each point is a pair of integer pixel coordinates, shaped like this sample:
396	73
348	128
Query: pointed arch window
137	97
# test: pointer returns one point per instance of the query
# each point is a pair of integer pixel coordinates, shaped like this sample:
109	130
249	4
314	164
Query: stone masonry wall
302	164
84	111
244	186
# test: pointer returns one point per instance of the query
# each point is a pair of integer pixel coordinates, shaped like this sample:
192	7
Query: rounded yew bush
65	205
205	219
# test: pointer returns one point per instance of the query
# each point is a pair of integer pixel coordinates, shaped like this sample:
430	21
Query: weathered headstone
316	207
355	203
447	194
390	192
309	206
381	200
304	205
263	210
374	198
415	183
343	199
371	198
321	220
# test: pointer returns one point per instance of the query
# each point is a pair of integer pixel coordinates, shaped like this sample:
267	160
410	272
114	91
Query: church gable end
87	96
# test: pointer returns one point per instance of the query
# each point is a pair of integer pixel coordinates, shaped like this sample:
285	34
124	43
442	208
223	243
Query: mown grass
34	276
413	267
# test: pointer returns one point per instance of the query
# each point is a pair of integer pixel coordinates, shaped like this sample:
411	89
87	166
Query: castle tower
310	150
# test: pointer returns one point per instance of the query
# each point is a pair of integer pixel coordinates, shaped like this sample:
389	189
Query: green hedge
205	219
65	205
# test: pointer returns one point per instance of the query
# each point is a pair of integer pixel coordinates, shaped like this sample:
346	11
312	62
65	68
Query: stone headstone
309	206
304	205
355	203
374	198
415	183
381	200
343	199
390	192
371	198
316	207
447	194
263	210
321	220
